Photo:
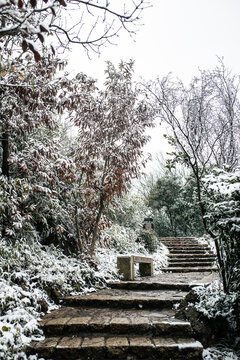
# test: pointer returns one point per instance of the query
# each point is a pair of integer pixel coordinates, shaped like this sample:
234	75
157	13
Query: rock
43	305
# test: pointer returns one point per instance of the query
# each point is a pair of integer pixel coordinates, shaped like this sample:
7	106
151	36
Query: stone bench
125	264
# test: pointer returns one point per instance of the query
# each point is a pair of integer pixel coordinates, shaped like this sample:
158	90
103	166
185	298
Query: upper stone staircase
188	255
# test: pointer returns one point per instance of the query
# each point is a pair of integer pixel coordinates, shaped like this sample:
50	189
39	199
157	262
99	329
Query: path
130	320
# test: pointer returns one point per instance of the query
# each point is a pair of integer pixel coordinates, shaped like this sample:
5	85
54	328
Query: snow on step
189	269
126	299
143	285
116	347
116	325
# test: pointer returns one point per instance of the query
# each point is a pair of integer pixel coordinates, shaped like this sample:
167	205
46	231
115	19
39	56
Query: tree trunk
95	230
5	154
78	240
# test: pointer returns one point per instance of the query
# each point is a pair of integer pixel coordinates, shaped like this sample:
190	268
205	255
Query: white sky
178	36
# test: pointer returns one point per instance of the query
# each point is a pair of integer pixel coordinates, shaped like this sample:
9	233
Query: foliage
149	239
60	194
111	132
220	352
223	214
129	211
173	201
122	239
126	234
127	216
213	302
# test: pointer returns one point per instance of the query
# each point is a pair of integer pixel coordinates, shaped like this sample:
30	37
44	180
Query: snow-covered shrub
222	308
20	313
220	352
123	239
213	302
130	211
149	239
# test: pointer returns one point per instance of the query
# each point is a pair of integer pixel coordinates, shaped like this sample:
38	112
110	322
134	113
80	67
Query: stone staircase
119	323
130	320
188	255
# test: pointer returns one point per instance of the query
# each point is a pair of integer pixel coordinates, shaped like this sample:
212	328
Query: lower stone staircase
119	323
130	320
188	255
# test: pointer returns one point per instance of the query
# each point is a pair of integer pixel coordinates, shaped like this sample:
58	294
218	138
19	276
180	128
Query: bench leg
146	269
126	268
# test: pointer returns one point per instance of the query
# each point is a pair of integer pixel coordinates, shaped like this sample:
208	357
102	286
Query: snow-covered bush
220	352
149	239
213	302
20	313
123	239
130	211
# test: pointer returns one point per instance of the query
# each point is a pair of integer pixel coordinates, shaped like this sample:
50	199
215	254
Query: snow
3	2
190	345
213	301
216	354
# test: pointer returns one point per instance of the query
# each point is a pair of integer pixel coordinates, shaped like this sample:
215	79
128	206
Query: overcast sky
178	36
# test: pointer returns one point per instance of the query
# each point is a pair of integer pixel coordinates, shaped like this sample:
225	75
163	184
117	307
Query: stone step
190	269
178	239
189	251
121	347
192	256
123	299
104	325
190	247
191	259
181	242
144	285
189	263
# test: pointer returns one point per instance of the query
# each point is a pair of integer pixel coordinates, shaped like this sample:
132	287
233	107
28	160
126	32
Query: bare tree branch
89	23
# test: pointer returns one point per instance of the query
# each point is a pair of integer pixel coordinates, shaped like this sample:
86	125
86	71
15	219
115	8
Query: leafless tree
91	23
203	121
